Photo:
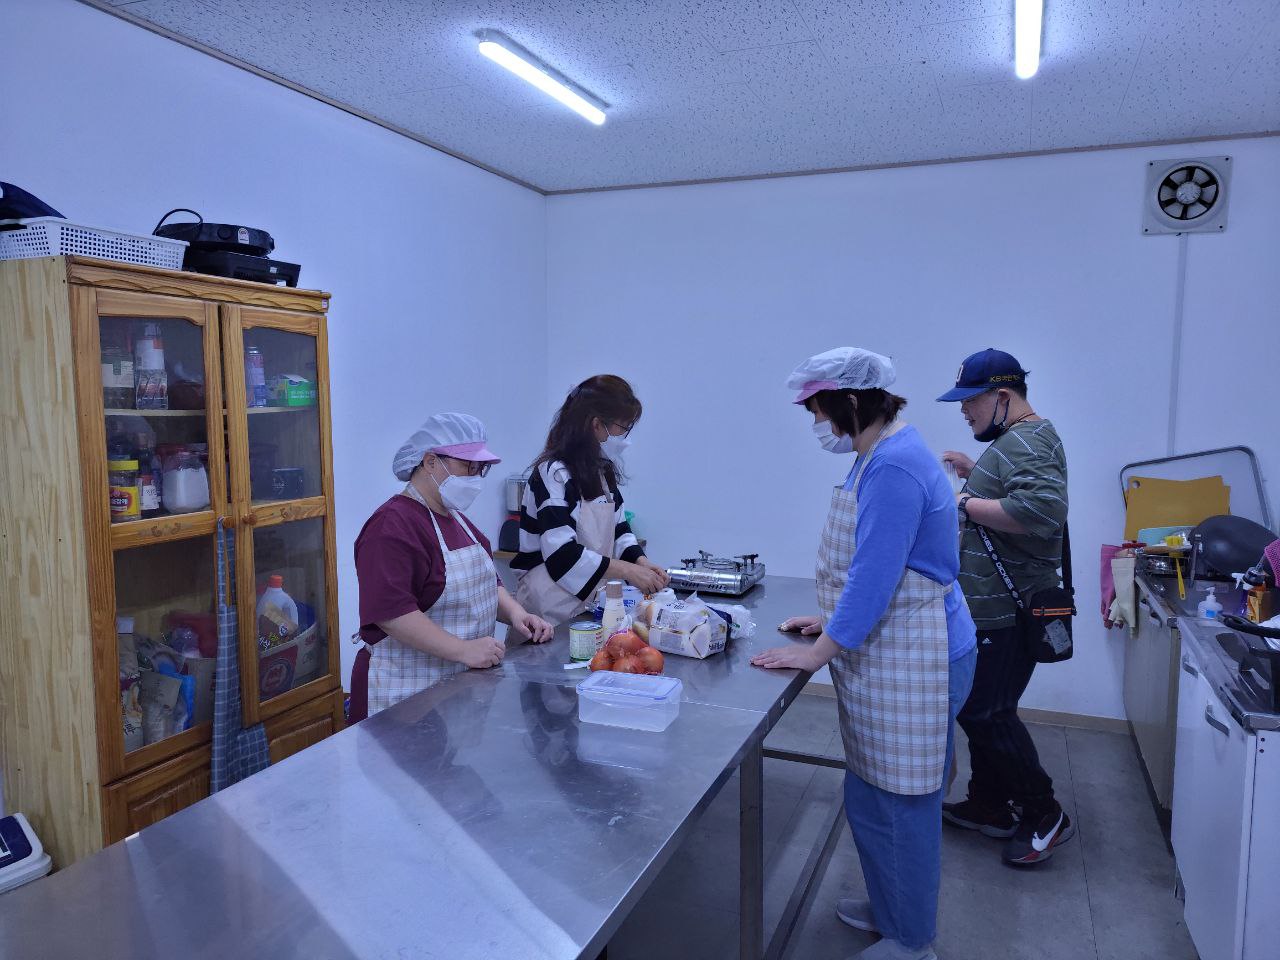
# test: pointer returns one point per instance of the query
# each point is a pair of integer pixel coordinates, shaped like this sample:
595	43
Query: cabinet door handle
1189	667
1214	722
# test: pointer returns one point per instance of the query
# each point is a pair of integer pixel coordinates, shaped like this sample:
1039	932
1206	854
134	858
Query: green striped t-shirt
1026	470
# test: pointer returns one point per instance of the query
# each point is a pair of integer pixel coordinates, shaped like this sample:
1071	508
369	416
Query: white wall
707	296
437	269
1231	341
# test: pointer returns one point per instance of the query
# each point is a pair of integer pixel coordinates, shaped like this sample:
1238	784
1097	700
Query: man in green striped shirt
1016	491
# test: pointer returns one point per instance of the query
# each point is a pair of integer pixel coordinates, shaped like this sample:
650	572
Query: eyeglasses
626	430
473	469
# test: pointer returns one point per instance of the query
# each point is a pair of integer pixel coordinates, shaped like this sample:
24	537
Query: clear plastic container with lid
185	487
632	700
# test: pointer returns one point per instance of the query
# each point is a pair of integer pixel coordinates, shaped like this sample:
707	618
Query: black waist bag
1045	617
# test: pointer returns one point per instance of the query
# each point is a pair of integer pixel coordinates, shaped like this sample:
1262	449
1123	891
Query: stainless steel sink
1185	607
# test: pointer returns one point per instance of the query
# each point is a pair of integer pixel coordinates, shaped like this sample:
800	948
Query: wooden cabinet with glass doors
141	410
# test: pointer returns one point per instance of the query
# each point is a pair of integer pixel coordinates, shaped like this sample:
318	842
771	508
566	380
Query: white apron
468	609
891	693
541	595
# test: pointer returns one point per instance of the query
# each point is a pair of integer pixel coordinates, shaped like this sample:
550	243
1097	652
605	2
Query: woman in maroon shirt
430	597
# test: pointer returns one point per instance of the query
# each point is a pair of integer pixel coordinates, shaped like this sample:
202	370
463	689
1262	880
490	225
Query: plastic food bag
185	706
687	628
743	624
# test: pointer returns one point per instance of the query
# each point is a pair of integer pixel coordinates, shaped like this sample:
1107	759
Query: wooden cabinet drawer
146	798
305	725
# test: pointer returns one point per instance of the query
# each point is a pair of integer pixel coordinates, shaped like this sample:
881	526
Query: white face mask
830	442
459	493
614	447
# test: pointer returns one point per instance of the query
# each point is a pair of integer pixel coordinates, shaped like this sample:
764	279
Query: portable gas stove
728	576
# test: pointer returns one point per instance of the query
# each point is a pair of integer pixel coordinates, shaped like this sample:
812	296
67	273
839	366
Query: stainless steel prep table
478	819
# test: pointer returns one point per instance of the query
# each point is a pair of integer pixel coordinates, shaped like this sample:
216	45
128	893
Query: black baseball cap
985	370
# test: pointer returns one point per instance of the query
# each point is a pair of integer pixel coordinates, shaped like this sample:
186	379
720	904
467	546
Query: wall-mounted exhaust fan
1187	196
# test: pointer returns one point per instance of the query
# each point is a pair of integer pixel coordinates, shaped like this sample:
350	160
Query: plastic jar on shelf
122	487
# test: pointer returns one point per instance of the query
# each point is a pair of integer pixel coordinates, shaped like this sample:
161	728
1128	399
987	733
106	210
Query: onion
621	644
651	658
603	660
628	664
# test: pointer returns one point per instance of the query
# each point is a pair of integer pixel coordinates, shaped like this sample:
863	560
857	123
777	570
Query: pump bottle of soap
1209	608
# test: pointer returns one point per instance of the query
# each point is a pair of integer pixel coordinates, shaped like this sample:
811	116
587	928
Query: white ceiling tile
987	118
876	45
971	51
846	18
740	24
1082	99
950	11
786	71
909	84
715	88
1253	91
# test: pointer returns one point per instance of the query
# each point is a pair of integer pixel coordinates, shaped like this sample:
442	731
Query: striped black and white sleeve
626	546
549	533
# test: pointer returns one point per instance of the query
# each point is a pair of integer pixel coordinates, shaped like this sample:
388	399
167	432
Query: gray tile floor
1106	895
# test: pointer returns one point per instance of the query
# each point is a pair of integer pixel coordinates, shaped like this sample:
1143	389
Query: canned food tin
584	639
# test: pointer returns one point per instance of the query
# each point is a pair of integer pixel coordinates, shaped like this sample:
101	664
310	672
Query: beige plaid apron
541	595
891	693
468	609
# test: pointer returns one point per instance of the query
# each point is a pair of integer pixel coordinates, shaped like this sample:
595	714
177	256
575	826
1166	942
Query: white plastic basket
52	237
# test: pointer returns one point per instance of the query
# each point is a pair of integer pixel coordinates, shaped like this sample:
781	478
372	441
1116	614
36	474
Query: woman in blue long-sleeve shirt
897	635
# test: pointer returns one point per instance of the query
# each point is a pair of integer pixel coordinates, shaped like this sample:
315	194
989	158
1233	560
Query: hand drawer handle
1189	667
1214	722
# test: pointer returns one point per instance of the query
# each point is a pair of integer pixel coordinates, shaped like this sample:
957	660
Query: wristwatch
963	505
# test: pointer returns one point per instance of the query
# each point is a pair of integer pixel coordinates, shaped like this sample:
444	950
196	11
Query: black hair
871	405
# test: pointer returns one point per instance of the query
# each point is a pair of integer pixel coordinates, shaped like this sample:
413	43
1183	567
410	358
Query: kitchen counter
478	819
1246	704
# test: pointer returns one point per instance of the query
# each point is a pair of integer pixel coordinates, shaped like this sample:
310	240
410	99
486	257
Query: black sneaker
1038	837
993	820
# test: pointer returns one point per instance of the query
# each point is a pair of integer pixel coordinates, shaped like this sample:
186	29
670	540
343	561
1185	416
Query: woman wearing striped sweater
573	530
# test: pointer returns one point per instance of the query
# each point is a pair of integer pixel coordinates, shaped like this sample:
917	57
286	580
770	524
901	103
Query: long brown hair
572	441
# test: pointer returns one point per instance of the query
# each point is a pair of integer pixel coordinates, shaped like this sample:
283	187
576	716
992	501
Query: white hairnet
844	368
458	435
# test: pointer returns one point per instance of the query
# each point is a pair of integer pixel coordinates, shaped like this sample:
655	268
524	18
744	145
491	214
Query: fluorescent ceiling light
1028	17
523	64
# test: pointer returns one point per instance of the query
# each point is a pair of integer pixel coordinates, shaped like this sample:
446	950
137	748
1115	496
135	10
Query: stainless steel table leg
751	853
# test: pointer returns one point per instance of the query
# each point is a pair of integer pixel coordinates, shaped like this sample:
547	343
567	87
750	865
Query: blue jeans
899	838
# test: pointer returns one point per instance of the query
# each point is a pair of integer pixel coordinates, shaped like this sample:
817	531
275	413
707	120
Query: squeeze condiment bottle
614	611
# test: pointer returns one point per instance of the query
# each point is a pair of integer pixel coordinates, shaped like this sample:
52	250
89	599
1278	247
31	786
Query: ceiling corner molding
825	171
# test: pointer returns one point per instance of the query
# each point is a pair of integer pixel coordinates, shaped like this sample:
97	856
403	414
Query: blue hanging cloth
238	752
